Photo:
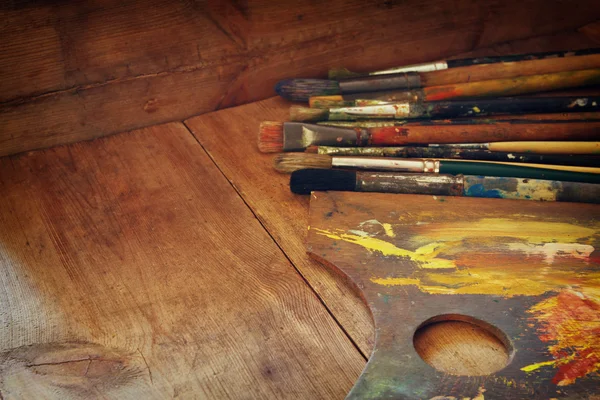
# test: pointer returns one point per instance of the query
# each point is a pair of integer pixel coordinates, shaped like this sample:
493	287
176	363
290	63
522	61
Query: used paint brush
296	136
488	88
303	89
464	154
288	163
343	73
374	123
306	181
449	109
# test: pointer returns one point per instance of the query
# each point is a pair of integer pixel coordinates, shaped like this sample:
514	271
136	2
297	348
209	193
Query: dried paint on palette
474	258
513	256
570	323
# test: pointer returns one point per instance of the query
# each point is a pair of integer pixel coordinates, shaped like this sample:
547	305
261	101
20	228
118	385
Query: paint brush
464	154
488	88
374	123
287	163
302	89
297	136
343	73
449	109
307	180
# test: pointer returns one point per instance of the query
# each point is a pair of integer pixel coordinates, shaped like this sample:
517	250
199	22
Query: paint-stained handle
432	184
514	86
531	189
407	81
505	170
502	131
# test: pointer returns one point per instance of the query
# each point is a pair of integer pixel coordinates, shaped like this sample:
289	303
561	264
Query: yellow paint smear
423	257
535	366
530	231
388	229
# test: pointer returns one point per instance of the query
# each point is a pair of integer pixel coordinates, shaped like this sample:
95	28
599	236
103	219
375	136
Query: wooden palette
529	272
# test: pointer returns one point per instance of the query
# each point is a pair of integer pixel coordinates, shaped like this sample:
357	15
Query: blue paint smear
478	190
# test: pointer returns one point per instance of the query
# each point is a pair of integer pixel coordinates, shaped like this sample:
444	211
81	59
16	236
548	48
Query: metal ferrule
297	136
387	164
392	110
402	81
388	182
390	96
425	67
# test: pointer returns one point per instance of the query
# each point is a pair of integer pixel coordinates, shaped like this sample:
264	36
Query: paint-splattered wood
131	269
229	137
528	272
78	70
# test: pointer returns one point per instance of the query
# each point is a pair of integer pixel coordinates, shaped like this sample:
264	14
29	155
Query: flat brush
488	88
297	136
343	73
449	109
308	180
288	163
302	89
464	154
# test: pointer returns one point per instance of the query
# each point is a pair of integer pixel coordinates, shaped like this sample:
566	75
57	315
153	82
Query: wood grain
132	269
229	137
79	70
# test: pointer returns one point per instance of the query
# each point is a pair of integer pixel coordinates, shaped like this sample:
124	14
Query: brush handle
465	167
505	170
464	62
548	147
458	153
500	131
536	147
477	186
467	108
530	189
514	86
297	136
472	74
405	80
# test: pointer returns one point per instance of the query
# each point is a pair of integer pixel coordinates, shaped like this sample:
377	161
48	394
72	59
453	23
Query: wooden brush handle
484	72
548	147
479	133
514	86
514	171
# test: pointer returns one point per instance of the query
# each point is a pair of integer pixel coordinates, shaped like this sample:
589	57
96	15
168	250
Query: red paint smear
572	325
577	369
437	93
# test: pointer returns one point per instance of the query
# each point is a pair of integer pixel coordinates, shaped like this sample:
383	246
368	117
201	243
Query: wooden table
170	262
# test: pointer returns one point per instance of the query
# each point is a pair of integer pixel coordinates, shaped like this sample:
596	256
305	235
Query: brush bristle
341	73
303	89
270	137
287	163
305	114
305	181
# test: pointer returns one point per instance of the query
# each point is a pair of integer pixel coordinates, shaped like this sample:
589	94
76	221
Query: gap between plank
366	357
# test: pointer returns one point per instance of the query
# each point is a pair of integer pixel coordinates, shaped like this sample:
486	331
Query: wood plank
132	269
229	138
78	56
526	272
75	115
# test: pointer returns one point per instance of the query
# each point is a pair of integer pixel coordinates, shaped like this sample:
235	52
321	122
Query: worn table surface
131	268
